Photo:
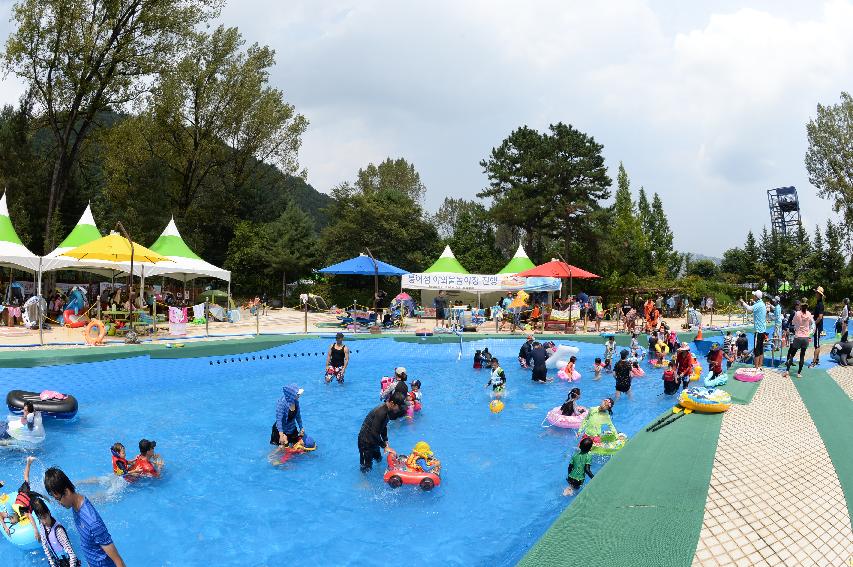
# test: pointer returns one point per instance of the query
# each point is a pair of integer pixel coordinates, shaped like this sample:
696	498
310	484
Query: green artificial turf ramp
832	412
644	508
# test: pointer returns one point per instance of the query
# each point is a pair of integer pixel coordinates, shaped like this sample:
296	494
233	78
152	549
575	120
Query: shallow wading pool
222	503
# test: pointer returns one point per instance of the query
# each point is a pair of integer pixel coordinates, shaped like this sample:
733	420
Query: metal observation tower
784	210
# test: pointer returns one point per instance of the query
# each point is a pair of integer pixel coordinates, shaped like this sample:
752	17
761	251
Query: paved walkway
843	375
775	497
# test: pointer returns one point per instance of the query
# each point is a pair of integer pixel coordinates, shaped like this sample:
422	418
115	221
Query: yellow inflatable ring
703	400
102	332
662	348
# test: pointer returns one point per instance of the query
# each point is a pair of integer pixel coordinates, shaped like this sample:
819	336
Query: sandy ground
272	322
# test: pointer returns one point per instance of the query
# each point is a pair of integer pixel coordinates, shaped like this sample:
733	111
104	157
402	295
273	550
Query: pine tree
752	258
801	250
630	242
834	260
644	211
661	241
816	264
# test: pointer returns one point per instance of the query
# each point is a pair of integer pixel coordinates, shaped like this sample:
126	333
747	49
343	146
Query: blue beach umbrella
364	265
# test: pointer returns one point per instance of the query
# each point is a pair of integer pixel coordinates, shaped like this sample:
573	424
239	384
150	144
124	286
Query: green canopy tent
518	263
446	264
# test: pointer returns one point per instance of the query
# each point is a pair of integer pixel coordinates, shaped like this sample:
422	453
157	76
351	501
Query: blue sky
705	104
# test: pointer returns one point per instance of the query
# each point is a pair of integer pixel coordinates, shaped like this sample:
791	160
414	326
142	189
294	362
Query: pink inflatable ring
556	418
749	374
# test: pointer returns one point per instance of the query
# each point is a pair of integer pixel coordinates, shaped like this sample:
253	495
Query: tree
829	158
397	174
546	185
628	241
644	211
383	218
735	261
212	121
516	184
262	256
703	268
80	59
835	260
661	239
472	237
750	250
576	181
817	261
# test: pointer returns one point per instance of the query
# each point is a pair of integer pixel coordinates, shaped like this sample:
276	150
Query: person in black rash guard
622	372
818	324
373	435
337	359
539	356
525	351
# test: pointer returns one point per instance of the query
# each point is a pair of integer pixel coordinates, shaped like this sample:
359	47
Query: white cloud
706	106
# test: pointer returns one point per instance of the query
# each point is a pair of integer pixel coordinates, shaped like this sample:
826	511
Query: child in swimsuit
597	368
478	359
609	349
422	459
579	467
569	407
636	371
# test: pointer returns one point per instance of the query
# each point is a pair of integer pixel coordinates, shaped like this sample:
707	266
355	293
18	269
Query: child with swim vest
121	466
147	463
670	380
22	507
715	360
497	380
54	539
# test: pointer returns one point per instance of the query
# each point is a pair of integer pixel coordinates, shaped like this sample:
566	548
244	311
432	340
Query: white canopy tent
13	254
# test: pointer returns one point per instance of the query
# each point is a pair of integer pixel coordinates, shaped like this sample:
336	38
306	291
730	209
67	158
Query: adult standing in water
440	304
538	355
373	435
818	323
337	359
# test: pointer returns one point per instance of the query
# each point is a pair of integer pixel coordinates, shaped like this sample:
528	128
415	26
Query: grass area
645	507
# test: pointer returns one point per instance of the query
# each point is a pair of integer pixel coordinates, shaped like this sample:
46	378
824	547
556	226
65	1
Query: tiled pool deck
775	497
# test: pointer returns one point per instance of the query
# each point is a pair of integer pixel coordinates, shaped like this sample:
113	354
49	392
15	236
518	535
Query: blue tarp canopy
362	265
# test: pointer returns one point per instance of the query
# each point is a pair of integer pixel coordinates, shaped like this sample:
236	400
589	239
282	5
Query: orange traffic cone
699	334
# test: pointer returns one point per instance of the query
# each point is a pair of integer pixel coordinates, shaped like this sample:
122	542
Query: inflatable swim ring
398	474
561	356
20	534
662	348
608	443
711	382
563	376
749	374
65	408
637	372
659	364
71	320
99	338
30	323
705	400
556	418
23	434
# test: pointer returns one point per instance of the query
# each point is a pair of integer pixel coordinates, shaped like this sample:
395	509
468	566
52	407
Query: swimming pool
222	503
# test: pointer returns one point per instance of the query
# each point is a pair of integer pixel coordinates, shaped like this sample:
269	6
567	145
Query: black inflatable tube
58	409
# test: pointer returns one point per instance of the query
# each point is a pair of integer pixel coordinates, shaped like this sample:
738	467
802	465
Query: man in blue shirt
759	319
95	539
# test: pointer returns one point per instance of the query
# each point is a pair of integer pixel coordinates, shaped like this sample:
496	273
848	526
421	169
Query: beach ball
496	406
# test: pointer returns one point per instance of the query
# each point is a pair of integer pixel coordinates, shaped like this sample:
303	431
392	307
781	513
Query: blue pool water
221	503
